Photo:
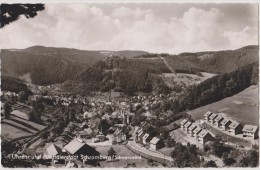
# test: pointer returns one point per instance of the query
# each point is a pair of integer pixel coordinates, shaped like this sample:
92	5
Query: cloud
243	37
125	27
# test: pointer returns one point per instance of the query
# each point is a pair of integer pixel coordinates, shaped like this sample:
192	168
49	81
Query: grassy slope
247	112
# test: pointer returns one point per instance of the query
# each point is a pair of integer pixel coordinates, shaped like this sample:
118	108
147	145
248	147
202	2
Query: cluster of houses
194	130
68	155
150	140
231	126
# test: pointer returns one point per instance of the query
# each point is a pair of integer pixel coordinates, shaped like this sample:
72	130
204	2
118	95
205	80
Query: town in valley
74	108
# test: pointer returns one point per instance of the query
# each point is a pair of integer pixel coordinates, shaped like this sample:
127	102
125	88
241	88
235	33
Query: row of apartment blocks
231	126
193	130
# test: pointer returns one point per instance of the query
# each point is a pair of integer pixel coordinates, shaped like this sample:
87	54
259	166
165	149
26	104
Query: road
139	148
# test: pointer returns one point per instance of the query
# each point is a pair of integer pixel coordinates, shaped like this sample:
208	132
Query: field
242	107
15	127
187	79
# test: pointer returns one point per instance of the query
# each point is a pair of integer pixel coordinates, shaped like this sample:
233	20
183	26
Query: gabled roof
218	118
155	140
213	116
250	128
234	124
140	130
208	113
105	116
53	150
192	127
89	114
115	114
225	121
143	123
88	130
203	133
118	131
184	121
146	136
197	130
73	146
187	124
140	134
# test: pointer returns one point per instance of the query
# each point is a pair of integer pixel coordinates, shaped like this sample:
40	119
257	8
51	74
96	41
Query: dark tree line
186	156
217	88
12	84
122	75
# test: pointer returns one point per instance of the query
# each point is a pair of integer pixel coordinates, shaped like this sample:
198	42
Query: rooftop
73	146
218	118
234	124
184	121
53	150
192	127
187	124
208	113
203	133
250	128
155	140
225	121
213	115
146	136
197	130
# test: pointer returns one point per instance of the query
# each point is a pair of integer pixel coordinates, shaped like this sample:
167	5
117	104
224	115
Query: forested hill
213	61
49	65
120	74
217	88
45	65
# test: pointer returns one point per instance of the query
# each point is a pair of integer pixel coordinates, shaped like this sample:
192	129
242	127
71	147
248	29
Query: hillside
48	65
242	107
129	53
45	65
124	53
213	61
121	74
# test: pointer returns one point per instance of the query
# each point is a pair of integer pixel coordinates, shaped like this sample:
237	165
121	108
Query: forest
217	88
121	75
12	84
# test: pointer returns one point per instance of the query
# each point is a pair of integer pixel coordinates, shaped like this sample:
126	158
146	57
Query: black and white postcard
129	84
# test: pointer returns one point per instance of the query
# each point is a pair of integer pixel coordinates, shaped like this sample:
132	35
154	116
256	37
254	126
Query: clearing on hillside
242	107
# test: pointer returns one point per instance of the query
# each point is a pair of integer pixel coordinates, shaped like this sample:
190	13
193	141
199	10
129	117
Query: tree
170	142
12	12
7	110
185	156
211	164
45	135
22	96
229	161
111	152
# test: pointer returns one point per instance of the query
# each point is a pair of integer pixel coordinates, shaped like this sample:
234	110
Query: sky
158	28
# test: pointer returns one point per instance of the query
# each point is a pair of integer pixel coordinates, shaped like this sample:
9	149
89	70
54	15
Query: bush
211	164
